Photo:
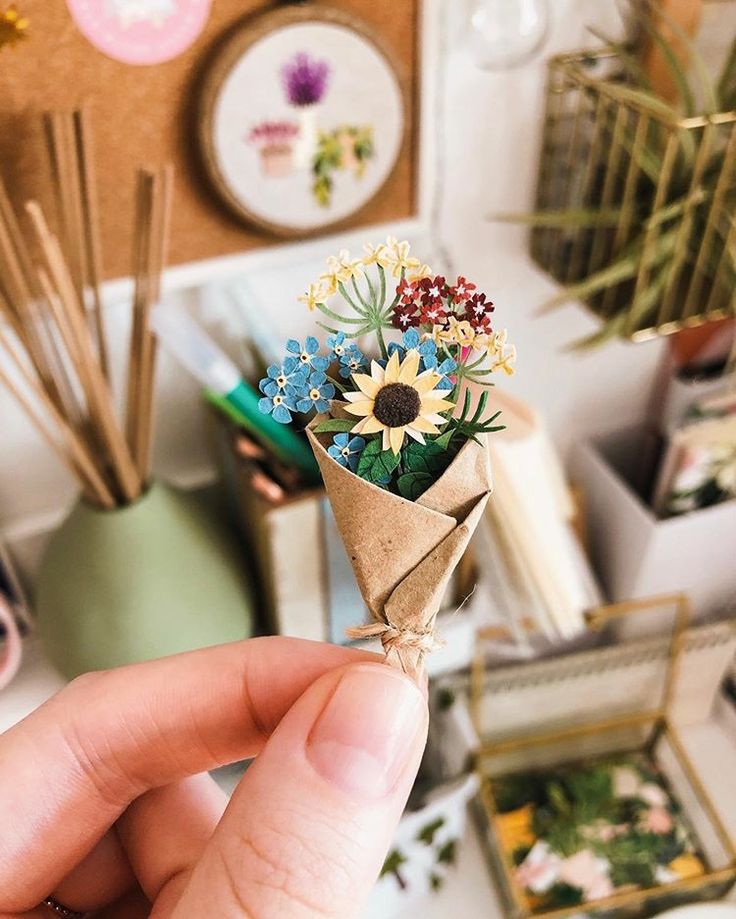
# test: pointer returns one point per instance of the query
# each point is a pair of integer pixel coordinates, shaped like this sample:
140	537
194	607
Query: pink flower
539	870
272	133
588	872
657	820
653	794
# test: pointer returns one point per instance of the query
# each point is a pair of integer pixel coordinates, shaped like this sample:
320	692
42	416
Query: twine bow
395	639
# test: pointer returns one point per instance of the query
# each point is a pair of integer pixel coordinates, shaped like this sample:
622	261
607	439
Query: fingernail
364	738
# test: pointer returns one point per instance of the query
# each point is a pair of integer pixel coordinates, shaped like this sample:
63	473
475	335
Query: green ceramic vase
161	576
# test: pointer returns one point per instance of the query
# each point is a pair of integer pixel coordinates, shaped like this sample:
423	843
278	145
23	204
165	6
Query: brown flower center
397	404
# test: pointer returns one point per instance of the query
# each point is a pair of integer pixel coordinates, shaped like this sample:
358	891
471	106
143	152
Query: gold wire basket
651	732
650	196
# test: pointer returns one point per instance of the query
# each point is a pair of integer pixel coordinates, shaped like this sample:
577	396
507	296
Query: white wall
490	136
493	124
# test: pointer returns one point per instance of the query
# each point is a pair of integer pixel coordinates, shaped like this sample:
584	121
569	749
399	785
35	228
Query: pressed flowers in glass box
399	434
608	817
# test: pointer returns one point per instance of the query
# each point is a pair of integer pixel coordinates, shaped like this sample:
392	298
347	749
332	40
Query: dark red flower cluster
431	301
478	312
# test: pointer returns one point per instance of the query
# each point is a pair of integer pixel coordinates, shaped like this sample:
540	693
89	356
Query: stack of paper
536	562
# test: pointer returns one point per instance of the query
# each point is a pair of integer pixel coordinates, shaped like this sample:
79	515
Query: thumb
309	826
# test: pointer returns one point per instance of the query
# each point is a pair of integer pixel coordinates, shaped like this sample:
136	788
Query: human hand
105	808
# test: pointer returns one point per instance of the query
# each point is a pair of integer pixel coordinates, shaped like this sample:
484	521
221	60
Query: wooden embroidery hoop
242	38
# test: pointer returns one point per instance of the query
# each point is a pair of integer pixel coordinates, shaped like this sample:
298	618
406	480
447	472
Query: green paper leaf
337	425
413	484
429	457
376	465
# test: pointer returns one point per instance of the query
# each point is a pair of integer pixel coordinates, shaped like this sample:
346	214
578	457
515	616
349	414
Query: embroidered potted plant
347	148
305	81
275	143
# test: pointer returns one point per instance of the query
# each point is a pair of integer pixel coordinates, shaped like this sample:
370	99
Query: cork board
147	115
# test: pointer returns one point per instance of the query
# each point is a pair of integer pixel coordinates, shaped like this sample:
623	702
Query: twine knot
395	639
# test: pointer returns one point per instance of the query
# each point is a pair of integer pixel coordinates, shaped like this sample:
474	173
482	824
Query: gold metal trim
661	727
586	120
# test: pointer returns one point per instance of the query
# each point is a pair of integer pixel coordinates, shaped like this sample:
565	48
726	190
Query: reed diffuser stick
16	276
79	343
55	345
151	242
158	246
74	456
93	249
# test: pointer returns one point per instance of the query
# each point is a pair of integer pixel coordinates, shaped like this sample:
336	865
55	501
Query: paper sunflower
397	400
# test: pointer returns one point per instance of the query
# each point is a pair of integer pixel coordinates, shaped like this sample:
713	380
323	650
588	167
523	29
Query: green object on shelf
241	405
161	576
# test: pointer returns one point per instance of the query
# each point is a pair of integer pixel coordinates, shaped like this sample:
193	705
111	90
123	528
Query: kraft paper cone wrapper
404	552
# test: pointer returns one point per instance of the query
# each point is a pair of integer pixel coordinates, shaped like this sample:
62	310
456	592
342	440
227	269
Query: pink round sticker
140	31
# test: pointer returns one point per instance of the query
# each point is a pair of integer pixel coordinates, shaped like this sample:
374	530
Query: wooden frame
245	36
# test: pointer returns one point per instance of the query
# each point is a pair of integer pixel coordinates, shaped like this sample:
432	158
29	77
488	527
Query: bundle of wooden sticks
53	348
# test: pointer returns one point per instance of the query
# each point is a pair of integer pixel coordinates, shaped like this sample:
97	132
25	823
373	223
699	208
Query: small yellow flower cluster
12	26
502	354
460	332
393	255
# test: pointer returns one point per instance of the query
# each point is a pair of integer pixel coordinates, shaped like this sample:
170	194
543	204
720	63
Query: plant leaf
427	833
726	89
338	425
412	484
376	465
605	217
428	457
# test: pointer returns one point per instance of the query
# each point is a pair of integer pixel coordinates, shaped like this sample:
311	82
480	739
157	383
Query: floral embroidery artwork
305	124
303	144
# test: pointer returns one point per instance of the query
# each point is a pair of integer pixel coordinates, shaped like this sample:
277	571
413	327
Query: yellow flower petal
391	374
396	438
360	408
426	382
377	372
369	425
386	442
424	425
409	367
423	271
366	384
415	434
435	405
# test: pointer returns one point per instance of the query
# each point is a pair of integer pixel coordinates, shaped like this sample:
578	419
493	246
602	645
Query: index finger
70	769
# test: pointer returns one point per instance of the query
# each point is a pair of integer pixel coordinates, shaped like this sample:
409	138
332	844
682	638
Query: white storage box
637	555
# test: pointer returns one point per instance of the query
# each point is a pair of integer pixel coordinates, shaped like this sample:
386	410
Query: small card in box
636	554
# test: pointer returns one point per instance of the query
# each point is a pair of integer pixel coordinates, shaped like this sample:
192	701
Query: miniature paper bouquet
398	435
